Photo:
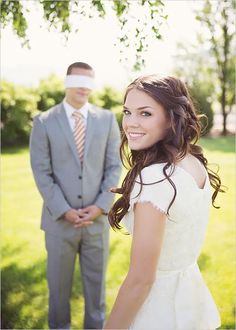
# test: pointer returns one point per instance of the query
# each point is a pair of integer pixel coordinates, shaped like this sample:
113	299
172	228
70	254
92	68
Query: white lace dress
179	298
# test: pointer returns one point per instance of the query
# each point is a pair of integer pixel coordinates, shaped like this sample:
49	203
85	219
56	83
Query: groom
75	161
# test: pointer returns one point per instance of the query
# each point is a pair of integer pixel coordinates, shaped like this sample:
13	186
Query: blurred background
121	40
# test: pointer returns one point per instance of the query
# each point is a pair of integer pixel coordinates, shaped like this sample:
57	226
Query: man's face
78	96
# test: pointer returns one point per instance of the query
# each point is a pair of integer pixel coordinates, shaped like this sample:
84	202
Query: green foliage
135	28
57	14
19	105
100	7
198	77
110	99
203	104
211	61
230	83
195	67
107	98
12	12
51	92
218	20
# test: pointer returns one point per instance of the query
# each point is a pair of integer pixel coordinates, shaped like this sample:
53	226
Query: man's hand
76	218
89	213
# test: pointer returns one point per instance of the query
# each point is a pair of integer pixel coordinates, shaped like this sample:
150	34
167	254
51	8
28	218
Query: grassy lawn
24	286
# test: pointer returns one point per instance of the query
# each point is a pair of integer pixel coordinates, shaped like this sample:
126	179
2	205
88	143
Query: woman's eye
145	114
126	112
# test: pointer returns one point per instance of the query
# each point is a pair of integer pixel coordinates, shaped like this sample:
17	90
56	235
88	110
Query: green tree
218	19
107	98
202	101
50	91
193	68
137	19
18	106
111	99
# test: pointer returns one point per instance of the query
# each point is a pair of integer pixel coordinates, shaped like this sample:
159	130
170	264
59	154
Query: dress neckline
193	179
190	176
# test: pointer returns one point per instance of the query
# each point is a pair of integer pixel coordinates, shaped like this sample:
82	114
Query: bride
165	201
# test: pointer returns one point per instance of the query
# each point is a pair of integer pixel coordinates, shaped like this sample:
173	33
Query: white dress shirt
69	110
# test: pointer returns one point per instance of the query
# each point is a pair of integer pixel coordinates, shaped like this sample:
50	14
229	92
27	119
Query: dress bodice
188	215
179	298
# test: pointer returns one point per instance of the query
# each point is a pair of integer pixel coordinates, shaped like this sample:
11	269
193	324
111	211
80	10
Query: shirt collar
69	109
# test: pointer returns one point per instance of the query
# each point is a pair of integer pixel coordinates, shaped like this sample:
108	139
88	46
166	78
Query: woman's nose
132	121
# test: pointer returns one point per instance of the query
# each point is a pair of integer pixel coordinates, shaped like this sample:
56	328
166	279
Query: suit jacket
57	170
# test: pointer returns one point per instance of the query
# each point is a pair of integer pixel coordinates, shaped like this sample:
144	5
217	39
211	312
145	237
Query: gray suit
64	184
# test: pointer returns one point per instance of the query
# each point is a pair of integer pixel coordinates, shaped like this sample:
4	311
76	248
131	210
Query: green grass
24	286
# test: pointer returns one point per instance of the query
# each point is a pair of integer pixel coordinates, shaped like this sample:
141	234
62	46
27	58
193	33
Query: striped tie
79	133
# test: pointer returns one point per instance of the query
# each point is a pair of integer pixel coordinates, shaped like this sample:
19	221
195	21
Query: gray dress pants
93	251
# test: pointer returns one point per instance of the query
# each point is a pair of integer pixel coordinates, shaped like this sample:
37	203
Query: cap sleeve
155	189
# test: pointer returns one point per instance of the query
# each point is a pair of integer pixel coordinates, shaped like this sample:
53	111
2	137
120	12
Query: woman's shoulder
154	172
153	186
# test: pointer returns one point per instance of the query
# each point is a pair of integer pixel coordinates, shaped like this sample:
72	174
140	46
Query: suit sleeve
42	171
112	167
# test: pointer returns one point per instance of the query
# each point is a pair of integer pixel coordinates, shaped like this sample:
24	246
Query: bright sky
94	44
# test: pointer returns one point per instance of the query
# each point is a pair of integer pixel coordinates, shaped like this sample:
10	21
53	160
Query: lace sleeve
155	188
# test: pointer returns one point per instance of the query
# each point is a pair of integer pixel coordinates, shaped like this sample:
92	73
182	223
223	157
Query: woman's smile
144	121
135	135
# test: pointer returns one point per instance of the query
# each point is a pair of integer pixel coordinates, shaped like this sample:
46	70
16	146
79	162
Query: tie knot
77	115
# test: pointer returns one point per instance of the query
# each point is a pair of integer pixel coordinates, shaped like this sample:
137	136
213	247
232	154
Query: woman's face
144	121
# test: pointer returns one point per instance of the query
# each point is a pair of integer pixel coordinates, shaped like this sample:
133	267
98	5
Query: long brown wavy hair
181	139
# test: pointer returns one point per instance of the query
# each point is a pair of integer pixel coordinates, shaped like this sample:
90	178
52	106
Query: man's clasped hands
83	217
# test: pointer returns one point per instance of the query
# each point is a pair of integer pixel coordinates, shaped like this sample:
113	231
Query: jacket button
79	196
80	177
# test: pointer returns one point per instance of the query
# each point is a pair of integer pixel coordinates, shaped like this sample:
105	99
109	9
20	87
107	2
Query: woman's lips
135	135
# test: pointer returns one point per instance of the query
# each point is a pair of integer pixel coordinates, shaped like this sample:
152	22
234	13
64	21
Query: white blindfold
75	80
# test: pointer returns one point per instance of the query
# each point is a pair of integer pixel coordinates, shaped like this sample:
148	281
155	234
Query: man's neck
75	104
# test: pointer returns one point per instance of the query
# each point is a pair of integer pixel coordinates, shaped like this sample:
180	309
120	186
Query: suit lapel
92	123
63	121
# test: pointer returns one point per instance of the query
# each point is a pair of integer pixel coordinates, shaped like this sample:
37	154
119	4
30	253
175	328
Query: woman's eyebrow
139	108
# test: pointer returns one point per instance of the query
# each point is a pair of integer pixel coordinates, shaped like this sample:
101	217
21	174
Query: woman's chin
132	146
135	147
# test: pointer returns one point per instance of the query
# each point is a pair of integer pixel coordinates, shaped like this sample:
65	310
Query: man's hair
81	65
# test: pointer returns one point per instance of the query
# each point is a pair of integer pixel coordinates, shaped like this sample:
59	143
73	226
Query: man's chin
81	100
